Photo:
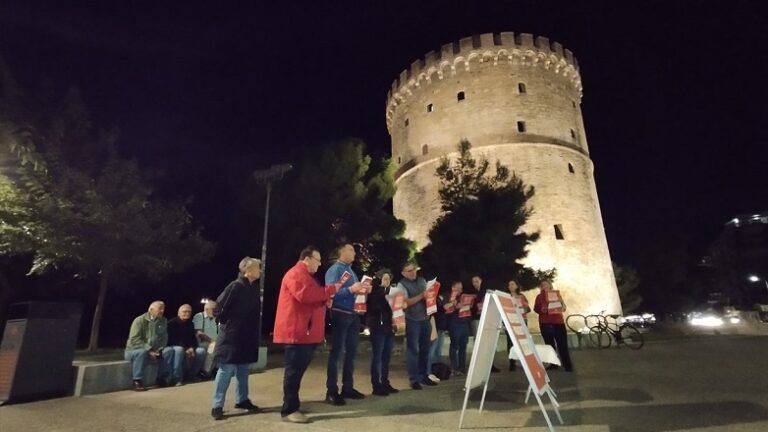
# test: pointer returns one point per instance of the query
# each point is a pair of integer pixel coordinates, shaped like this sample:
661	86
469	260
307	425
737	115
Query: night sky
674	91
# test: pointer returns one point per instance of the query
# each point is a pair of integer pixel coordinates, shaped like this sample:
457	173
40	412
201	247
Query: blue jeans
417	335
139	359
382	341
345	332
459	333
436	349
180	363
221	383
297	358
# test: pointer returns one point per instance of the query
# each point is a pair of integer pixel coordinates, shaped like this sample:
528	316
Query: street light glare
753	278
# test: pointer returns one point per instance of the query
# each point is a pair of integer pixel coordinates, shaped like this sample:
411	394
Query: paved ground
702	383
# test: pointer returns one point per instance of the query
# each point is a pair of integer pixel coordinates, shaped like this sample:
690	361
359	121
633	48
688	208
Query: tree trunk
93	342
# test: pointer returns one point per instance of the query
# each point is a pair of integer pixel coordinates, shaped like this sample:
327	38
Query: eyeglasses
319	261
409	270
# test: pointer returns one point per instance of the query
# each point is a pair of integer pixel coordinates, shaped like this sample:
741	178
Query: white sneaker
433	378
296	417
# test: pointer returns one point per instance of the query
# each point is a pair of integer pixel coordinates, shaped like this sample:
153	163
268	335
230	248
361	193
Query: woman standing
552	324
458	330
379	322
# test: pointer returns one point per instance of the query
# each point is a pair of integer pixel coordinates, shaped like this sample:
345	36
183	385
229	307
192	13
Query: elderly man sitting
182	346
207	329
146	339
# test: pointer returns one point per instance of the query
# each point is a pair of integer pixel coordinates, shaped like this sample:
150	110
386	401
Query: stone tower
516	98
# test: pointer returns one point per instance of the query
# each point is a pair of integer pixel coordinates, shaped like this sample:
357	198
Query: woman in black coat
237	346
379	321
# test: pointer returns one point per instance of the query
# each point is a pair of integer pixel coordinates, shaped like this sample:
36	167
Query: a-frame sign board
502	311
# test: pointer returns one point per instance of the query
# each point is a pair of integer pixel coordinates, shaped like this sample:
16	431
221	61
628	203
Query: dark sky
674	91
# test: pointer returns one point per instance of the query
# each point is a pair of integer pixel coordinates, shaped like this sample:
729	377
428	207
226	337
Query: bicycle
604	332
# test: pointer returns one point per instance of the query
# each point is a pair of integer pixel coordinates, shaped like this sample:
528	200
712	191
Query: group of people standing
300	325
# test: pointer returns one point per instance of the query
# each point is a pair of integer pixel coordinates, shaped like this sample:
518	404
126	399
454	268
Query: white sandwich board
502	311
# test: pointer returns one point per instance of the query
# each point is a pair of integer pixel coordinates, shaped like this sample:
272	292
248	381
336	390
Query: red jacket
539	307
300	317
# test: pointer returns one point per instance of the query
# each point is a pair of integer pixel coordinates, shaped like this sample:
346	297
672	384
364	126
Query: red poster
430	296
465	305
398	304
360	299
523	342
554	302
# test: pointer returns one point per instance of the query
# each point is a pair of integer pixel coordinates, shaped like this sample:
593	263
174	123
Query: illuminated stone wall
516	98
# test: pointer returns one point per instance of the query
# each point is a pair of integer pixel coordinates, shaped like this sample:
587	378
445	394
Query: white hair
247	263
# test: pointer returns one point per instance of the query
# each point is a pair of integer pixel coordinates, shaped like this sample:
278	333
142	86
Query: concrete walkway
704	383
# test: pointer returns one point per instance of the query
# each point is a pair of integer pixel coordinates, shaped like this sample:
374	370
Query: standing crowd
223	340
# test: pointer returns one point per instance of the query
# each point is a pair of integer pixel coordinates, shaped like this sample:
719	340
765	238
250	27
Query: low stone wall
104	377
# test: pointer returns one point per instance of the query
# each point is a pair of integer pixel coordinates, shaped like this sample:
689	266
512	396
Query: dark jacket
182	333
379	313
237	310
441	319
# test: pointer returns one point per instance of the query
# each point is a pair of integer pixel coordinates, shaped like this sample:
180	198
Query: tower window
424	149
521	88
573	103
570	168
497	39
573	133
406	122
559	232
460	96
521	126
399	161
430	108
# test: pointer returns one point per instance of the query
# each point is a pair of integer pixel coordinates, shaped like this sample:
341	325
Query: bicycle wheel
576	323
631	337
599	338
592	320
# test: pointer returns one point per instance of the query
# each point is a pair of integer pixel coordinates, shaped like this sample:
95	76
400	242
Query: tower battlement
497	49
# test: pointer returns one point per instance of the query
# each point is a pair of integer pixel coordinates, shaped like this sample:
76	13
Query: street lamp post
267	177
755	278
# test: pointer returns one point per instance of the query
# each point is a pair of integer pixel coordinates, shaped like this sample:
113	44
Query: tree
628	281
74	202
480	229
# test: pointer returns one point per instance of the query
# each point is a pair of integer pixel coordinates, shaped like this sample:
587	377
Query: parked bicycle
603	330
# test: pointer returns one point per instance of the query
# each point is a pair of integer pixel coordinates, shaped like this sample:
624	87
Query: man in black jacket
182	346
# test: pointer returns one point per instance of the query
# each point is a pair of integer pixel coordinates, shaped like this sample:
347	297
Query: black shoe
138	386
380	391
494	369
552	367
512	365
388	387
416	386
335	399
217	413
161	382
428	382
352	394
247	405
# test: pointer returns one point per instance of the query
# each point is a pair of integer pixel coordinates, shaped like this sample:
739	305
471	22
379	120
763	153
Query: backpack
441	370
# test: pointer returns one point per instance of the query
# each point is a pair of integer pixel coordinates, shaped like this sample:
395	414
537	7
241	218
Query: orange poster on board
539	375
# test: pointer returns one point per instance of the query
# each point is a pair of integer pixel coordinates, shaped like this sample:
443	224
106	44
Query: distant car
642	320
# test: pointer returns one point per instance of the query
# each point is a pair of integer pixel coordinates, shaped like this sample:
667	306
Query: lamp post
267	177
755	278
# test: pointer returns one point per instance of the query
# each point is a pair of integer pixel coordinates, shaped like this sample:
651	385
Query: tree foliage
628	282
480	230
70	199
341	194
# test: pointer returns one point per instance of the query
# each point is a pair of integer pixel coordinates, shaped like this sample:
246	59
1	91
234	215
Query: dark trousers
297	358
555	336
458	330
345	332
382	341
417	334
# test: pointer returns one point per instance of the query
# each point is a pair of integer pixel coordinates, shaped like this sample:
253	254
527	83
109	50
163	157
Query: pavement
697	383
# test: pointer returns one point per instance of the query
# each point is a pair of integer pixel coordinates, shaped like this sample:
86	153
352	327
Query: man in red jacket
300	325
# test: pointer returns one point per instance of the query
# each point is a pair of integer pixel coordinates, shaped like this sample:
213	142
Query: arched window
521	88
424	149
430	108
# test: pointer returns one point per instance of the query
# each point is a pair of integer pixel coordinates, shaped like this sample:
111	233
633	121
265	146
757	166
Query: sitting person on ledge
146	339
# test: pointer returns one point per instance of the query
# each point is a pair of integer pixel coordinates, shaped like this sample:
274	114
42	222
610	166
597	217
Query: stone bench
103	377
